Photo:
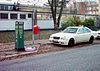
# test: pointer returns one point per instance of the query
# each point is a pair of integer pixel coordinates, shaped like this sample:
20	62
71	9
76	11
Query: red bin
35	29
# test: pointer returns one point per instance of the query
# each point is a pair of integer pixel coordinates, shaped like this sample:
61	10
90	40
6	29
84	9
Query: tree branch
60	13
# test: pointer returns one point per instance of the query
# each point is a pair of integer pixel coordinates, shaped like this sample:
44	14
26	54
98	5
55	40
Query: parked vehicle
73	35
98	34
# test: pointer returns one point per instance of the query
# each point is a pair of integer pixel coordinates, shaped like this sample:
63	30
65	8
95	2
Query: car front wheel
91	39
71	42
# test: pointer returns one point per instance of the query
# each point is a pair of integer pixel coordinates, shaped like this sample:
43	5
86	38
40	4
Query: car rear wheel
71	42
91	40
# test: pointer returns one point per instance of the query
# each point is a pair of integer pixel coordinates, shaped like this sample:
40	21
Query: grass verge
6	37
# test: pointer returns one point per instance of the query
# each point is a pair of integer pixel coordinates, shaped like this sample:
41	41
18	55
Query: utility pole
34	21
99	7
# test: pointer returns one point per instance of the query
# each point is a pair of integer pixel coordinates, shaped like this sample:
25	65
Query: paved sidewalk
37	43
10	52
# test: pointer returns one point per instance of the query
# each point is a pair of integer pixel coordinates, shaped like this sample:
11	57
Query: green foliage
88	22
75	21
66	23
71	21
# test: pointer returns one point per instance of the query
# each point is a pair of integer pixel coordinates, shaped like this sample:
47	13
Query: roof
76	27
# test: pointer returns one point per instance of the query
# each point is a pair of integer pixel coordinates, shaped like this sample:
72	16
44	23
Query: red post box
35	29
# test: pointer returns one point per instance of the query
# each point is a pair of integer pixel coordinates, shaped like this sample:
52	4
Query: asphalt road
78	59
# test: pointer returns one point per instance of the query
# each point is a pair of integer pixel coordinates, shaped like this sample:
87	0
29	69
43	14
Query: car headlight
98	33
51	36
63	38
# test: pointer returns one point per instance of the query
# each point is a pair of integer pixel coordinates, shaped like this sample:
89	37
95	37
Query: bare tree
56	7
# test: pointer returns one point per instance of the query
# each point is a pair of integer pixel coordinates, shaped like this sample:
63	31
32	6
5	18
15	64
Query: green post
19	34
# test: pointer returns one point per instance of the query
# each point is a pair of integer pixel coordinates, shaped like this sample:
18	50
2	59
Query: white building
10	13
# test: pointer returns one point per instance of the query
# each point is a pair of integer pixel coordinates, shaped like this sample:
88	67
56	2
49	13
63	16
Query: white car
98	34
73	35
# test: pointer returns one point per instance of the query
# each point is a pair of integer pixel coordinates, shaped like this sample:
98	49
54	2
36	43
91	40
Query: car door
87	34
80	35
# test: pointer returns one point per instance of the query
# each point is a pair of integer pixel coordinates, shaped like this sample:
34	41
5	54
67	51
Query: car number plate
55	41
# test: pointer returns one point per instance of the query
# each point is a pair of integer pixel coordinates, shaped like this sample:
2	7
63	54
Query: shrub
71	21
88	22
75	21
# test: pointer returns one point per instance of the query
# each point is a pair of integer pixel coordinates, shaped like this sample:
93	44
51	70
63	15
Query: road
78	59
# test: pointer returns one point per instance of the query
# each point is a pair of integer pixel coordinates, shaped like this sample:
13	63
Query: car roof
76	27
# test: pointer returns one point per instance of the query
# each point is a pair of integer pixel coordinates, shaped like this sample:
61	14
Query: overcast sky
32	2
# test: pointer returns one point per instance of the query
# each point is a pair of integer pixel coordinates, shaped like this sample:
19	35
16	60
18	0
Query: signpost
34	22
19	34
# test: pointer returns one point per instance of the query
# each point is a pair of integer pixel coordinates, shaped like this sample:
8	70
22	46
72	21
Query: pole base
20	49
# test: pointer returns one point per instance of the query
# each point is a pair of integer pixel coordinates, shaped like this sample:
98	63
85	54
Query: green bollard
19	35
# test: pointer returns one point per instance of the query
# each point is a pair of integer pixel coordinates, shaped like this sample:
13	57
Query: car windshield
70	30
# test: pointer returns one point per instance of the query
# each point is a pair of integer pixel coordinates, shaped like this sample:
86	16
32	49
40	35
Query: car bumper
61	42
98	37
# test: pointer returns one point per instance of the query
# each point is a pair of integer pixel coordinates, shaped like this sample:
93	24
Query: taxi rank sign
19	35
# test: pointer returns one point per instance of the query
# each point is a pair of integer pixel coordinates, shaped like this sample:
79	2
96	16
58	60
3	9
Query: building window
13	16
5	7
29	15
22	16
2	7
10	7
3	15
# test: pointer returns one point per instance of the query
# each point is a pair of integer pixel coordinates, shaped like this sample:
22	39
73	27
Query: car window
81	30
86	30
70	30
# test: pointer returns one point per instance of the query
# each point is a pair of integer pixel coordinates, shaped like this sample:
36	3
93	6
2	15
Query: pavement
11	53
